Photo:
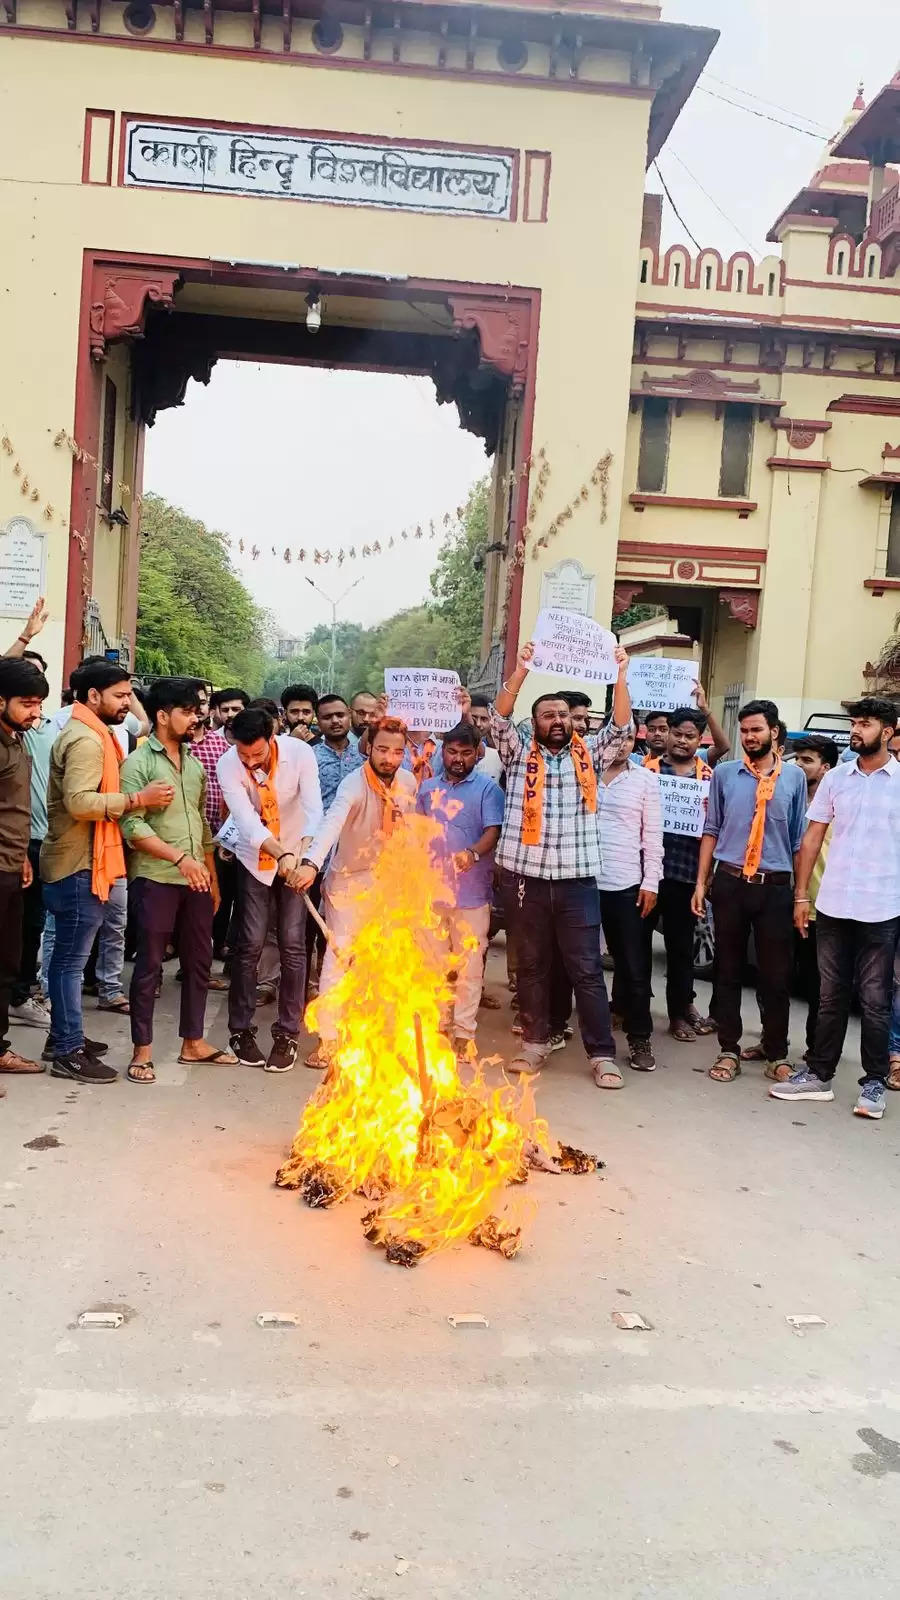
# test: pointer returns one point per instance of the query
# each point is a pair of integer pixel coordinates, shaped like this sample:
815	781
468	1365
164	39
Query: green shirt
182	823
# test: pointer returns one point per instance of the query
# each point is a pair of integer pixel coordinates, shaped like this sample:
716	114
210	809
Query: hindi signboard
425	698
299	166
661	683
23	565
683	804
569	645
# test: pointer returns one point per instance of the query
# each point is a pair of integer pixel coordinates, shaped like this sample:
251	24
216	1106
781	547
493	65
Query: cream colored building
452	190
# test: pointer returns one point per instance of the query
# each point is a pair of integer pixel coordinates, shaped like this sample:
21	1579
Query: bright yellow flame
393	1119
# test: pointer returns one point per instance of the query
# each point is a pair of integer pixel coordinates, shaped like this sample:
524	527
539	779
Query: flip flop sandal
684	1032
754	1052
703	1026
218	982
608	1069
142	1067
778	1071
724	1069
203	1061
20	1065
120	1006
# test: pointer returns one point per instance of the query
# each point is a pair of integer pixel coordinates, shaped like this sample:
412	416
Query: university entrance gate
446	190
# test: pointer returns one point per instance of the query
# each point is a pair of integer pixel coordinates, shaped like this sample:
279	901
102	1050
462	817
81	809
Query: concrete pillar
785	609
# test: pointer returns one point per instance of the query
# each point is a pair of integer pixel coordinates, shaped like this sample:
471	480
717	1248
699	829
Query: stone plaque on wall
568	587
23	565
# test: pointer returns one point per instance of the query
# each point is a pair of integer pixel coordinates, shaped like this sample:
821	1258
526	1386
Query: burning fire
393	1118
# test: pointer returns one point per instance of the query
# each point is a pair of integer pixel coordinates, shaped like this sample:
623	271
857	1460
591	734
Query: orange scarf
765	788
533	797
391	808
268	809
421	761
702	771
108	859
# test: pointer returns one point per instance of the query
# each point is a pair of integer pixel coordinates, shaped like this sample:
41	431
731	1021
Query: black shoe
640	1055
90	1047
283	1053
82	1068
246	1049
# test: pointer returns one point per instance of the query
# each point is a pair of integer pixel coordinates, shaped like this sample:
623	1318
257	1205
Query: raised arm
720	743
34	623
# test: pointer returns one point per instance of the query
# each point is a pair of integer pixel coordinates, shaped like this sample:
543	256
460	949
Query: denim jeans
78	915
253	902
894	1046
111	943
562	914
864	952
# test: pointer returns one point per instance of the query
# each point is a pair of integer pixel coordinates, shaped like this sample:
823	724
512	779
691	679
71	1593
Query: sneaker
32	1013
557	1041
283	1053
516	1027
245	1047
82	1068
872	1098
802	1085
568	1032
89	1047
640	1055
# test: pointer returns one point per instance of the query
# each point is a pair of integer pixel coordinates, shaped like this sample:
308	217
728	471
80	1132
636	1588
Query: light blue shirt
732	802
334	766
39	742
477	803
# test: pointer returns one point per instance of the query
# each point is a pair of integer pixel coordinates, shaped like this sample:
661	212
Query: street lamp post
334	605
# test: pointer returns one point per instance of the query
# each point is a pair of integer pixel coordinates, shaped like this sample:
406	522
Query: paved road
192	1456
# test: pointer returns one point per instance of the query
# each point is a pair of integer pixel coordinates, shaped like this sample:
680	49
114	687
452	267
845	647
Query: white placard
425	698
23	561
228	835
295	166
568	645
661	683
684	804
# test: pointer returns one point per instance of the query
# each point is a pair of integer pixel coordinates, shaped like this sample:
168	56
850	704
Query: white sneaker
32	1013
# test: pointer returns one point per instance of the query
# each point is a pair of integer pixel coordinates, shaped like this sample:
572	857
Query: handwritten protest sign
228	835
425	698
660	683
683	804
569	645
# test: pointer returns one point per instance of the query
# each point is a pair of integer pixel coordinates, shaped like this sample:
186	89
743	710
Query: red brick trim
693	552
90	117
796	464
868	405
878	585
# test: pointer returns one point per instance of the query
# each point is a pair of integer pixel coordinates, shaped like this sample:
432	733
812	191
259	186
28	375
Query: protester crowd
171	821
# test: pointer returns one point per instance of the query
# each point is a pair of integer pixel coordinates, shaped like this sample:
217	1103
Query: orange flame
393	1118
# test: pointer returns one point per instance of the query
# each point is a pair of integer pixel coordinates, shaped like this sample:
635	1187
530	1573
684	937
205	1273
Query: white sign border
36	533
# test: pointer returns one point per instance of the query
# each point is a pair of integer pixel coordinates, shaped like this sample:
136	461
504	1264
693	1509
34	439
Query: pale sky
294	456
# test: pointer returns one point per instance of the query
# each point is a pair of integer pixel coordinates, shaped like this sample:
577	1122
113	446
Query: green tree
457	584
194	614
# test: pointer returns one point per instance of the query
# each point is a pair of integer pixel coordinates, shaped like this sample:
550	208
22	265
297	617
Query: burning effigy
397	1119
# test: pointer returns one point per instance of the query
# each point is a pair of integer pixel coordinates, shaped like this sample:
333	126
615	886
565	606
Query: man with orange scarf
754	829
549	860
82	855
363	813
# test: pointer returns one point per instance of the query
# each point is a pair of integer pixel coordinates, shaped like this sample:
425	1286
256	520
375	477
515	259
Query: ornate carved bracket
119	302
743	605
624	596
701	384
503	334
801	433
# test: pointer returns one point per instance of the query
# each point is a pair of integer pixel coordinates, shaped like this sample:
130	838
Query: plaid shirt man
569	845
207	751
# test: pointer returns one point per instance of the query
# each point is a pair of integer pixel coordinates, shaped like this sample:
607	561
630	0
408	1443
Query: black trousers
673	905
159	910
32	928
767	909
226	873
629	947
806	969
863	952
561	915
11	897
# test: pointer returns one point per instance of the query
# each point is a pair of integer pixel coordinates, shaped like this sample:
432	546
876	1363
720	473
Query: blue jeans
77	914
860	953
556	923
111	943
